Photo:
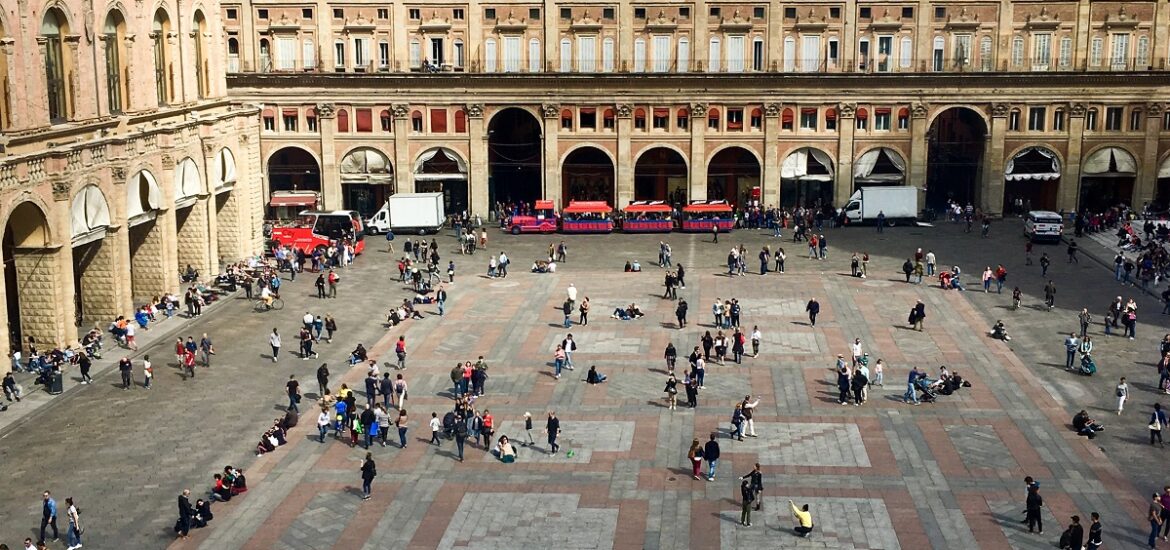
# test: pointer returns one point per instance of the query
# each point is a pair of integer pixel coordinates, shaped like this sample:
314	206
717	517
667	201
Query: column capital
401	111
324	110
1154	110
698	110
1000	110
846	110
1077	110
474	110
550	110
919	110
772	110
625	110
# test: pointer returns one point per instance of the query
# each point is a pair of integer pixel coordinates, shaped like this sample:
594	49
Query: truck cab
379	223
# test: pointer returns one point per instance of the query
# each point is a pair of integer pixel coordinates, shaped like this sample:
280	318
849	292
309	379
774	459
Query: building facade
123	161
1058	104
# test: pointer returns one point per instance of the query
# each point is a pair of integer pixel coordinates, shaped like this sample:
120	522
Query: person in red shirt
488	425
189	361
400	351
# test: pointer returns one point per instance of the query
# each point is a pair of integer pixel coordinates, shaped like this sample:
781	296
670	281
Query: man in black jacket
553	429
183	527
756	482
711	454
323	379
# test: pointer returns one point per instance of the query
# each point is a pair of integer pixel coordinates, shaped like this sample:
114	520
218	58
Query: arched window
201	69
54	27
386	120
905	52
607	121
342	121
786	119
682	118
939	50
607	55
566	59
160	29
640	119
265	55
1017	52
903	118
460	121
566	119
416	121
114	43
862	119
1014	120
458	54
757	119
789	55
713	119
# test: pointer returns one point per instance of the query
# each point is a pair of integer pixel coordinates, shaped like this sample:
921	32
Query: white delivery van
420	213
897	203
1043	225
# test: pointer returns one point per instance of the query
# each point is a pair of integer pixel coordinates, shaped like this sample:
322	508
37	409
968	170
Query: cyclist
267	296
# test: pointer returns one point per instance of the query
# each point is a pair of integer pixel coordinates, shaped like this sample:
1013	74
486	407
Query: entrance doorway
660	174
442	170
28	258
515	146
1107	178
93	260
1031	181
806	179
954	161
367	178
587	175
731	174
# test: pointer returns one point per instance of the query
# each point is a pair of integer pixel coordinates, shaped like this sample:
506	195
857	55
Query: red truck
315	229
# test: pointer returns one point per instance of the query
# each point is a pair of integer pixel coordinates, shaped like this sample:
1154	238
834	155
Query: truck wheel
515	230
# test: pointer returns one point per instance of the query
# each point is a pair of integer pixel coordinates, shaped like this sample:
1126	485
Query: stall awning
707	206
863	167
648	206
293	200
1164	171
1110	160
1011	173
796	165
580	207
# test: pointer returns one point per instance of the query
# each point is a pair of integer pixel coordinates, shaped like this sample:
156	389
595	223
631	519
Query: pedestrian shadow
557	325
657	403
668	325
659	371
803	324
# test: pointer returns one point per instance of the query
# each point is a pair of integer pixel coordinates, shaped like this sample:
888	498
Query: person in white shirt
749	407
571	293
756	337
436	425
323	422
308	320
266	295
147	371
856	349
274	341
930	262
1122	395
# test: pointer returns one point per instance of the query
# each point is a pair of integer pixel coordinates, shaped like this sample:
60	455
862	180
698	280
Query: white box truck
898	204
420	213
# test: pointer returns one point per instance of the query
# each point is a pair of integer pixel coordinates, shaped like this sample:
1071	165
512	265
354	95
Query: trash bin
56	384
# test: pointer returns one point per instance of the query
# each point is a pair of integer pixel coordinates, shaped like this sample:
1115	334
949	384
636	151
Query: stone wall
38	286
192	238
227	215
95	265
148	272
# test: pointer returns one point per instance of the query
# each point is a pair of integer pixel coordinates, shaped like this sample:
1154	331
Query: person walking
711	455
401	424
1085	318
274	341
293	388
583	309
1157	423
756	482
747	496
400	352
206	349
369	472
917	315
460	434
813	308
147	372
569	346
1071	344
756	337
1032	507
1072	252
695	455
1122	394
552	427
749	409
127	370
680	313
911	394
1154	516
323	422
186	512
323	379
1050	294
435	425
74	532
558	361
49	515
441	299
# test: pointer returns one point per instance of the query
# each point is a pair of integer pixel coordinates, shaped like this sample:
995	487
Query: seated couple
633	267
1086	426
504	450
630	312
229	484
542	266
948	280
273	438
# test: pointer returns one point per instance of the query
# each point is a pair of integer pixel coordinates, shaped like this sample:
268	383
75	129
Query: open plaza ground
883	475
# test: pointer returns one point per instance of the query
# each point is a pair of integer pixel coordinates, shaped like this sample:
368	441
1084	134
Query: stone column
118	238
1146	185
403	167
770	171
64	297
843	186
919	150
625	157
214	254
154	263
192	238
1070	176
477	171
991	192
551	160
698	160
330	175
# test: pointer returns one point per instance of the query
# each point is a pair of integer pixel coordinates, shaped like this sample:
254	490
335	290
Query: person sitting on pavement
358	355
999	331
594	377
1086	426
504	450
629	267
637	267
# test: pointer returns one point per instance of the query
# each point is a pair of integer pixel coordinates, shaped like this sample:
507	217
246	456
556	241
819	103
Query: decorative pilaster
919	149
843	186
403	163
991	198
770	173
1146	185
477	174
552	163
698	179
625	157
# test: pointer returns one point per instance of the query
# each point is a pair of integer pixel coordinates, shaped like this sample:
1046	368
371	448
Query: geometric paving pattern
1009	515
321	522
515	521
838	523
807	444
980	447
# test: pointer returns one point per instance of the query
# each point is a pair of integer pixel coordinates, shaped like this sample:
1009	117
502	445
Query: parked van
1043	225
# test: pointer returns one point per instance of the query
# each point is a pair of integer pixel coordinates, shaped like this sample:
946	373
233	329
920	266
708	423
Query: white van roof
1044	214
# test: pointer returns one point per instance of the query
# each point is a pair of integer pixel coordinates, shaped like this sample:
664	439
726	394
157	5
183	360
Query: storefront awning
293	200
1015	173
796	165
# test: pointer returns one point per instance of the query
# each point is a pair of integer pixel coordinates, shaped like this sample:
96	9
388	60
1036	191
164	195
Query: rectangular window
1113	119
639	13
489	13
962	49
414	13
808	119
383	55
607	121
1091	120
735	119
905	52
588	119
311	123
457	52
365	120
416	124
1041	51
290	122
757	119
231	14
885	50
834	12
439	120
286	53
309	54
1058	121
1166	121
339	54
383	14
716	11
1135	120
534	14
714	55
865	13
881	119
607	55
735	51
903	121
684	13
269	124
1119	55
862	123
261	14
940	12
937	60
607	14
907	13
361	53
437	50
338	13
639	122
511	54
457	14
830	120
790	12
566	14
834	53
810	53
1037	119
758	55
683	119
660	119
1095	51
489	55
660	53
416	54
863	55
567	55
385	121
758	13
306	13
1066	53
1014	121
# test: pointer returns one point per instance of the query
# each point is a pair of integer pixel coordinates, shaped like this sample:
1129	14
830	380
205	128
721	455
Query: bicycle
277	304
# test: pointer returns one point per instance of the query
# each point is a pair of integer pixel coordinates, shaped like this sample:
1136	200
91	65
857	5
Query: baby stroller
449	425
928	395
1088	365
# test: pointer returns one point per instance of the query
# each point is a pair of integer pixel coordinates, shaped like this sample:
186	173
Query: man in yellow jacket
803	519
